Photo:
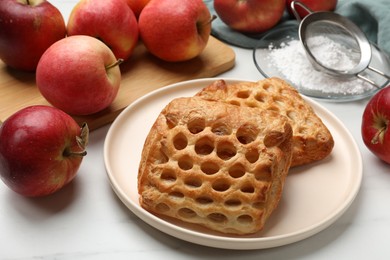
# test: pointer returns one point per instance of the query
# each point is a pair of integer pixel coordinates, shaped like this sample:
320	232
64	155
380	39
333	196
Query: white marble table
86	220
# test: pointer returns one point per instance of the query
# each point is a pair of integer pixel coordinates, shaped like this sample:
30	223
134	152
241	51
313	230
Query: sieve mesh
332	45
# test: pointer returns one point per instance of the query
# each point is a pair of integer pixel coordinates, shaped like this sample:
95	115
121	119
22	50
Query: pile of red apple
82	55
77	69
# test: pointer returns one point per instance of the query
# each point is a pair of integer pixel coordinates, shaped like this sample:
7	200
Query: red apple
112	22
175	30
41	149
27	29
375	124
137	6
313	5
79	74
250	16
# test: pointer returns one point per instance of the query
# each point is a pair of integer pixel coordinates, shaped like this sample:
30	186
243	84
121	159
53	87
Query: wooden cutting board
141	74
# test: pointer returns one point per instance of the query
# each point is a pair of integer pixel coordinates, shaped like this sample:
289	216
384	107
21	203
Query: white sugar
291	60
332	54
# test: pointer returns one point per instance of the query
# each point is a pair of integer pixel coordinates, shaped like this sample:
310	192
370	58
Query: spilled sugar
290	59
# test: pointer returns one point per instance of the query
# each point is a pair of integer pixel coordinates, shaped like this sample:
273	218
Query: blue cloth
372	16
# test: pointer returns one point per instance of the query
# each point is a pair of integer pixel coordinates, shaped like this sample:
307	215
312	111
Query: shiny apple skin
72	75
112	22
26	31
32	145
250	16
175	34
314	5
375	124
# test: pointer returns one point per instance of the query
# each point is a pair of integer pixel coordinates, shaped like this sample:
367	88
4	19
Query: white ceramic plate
314	197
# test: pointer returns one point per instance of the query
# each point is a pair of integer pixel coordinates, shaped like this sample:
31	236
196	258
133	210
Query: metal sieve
338	31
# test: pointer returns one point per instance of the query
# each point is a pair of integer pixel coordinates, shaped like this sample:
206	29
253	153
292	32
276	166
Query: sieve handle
371	81
378	72
295	12
367	80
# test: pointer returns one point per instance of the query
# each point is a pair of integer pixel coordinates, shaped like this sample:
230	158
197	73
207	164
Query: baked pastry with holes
215	164
312	140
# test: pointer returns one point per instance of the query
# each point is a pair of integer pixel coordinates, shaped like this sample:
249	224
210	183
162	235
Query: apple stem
200	26
378	137
68	153
28	2
117	63
82	142
212	18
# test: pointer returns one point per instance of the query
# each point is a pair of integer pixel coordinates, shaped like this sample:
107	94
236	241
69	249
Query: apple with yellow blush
79	75
175	30
112	22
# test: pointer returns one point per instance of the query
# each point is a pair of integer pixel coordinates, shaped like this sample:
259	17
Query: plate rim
237	243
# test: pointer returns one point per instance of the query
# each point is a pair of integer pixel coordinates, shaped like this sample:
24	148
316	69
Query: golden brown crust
312	141
214	164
